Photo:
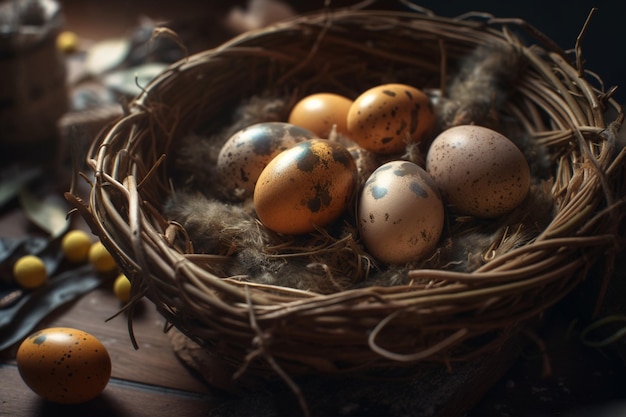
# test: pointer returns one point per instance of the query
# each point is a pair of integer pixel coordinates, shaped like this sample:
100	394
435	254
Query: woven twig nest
432	315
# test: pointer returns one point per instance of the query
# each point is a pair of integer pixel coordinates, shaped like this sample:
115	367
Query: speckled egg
244	155
307	186
320	112
385	118
479	171
400	213
64	365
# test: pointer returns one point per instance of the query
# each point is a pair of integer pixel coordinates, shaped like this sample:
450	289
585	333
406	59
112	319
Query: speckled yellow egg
320	112
385	118
307	186
244	155
479	171
400	213
64	365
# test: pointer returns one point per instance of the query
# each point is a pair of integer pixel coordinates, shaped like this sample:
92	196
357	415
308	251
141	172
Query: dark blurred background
603	46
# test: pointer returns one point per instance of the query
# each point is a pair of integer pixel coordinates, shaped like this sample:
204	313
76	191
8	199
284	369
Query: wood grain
120	399
150	381
153	363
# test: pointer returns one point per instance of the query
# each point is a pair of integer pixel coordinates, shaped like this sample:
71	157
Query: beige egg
400	213
384	119
307	186
320	112
244	155
479	171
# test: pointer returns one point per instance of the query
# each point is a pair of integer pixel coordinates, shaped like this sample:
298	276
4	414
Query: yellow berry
67	42
121	288
30	272
75	246
100	258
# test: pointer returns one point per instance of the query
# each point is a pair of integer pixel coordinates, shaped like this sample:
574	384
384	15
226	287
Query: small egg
64	365
400	213
121	288
75	246
30	272
67	42
320	112
479	171
244	155
307	186
385	118
100	258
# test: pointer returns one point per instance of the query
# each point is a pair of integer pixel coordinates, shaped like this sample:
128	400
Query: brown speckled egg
307	186
64	365
385	118
244	155
400	213
479	171
320	112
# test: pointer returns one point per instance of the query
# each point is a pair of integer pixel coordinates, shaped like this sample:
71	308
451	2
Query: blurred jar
33	93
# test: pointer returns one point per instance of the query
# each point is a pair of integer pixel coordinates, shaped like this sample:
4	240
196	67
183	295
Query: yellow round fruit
67	42
30	272
121	288
100	258
75	246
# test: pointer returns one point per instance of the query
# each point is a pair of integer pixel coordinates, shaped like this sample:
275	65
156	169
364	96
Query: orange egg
384	119
307	186
320	112
64	365
244	155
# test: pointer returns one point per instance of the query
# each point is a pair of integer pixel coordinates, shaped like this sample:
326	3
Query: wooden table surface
149	381
152	381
